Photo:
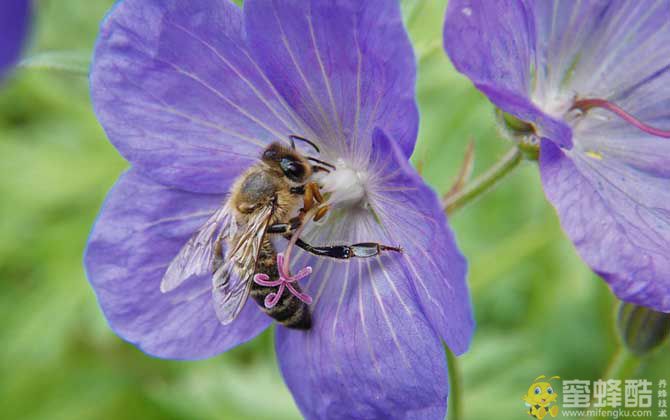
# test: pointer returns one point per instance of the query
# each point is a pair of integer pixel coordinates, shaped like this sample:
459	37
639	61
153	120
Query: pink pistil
284	281
586	104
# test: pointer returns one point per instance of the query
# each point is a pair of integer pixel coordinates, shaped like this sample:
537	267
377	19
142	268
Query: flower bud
642	329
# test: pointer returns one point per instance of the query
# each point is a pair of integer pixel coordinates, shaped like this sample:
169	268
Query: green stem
483	182
455	406
622	365
69	62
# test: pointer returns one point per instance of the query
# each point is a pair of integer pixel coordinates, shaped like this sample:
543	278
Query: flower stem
455	406
483	182
622	365
75	63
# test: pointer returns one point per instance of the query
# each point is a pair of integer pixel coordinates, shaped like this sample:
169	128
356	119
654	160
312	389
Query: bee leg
321	212
312	197
344	252
300	190
308	199
316	191
285	228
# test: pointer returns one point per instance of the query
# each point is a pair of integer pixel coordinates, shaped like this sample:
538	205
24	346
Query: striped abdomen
289	310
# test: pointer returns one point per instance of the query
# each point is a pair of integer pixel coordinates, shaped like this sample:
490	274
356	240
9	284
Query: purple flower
191	92
592	80
14	16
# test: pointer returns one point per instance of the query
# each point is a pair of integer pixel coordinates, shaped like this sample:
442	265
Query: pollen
594	155
346	186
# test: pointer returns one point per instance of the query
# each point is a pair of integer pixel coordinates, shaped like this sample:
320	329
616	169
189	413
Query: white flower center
346	186
557	105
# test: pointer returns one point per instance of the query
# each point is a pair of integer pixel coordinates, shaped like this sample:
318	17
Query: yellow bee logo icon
541	398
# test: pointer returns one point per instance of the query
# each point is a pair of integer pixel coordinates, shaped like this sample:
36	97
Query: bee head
288	161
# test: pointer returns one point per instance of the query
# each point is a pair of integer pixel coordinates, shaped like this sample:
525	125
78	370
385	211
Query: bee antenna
330	165
317	168
294	137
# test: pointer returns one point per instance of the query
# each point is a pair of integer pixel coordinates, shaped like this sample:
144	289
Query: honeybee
271	197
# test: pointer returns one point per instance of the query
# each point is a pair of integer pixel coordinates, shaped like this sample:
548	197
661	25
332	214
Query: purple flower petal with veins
14	17
191	92
593	79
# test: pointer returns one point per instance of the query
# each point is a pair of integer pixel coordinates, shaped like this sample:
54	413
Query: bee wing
232	281
199	254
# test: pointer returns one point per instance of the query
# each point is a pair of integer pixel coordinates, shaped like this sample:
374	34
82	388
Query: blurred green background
539	309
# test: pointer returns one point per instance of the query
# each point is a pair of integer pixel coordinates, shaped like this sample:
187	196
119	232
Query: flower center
345	186
526	134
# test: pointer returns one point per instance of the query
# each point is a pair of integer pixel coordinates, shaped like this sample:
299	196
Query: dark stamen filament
586	104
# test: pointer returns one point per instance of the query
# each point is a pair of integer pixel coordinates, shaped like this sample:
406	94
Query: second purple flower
590	83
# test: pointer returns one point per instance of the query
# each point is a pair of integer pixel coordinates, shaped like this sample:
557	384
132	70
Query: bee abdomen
289	310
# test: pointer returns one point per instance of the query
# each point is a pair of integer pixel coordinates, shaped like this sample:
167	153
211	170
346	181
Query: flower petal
582	47
344	66
493	43
371	352
14	15
561	30
180	96
413	218
140	229
616	210
374	348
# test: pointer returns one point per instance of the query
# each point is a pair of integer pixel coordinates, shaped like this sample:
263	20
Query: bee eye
550	391
537	390
292	169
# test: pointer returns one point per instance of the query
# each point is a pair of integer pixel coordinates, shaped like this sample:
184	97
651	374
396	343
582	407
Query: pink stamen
586	104
264	280
284	282
272	299
302	296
